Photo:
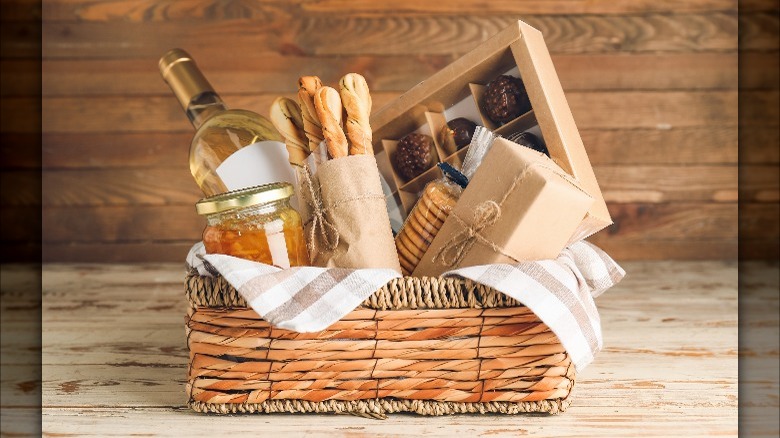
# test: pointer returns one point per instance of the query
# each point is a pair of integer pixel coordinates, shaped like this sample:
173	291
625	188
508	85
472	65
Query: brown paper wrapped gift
345	217
519	206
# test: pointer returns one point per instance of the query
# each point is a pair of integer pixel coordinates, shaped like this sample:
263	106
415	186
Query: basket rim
398	294
379	408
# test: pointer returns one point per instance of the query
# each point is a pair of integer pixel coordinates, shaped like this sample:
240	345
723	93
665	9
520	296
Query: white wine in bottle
232	148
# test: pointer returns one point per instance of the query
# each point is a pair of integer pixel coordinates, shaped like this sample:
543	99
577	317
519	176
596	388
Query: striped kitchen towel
308	299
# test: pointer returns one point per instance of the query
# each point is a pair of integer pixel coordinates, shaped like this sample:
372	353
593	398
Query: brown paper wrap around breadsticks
346	220
342	202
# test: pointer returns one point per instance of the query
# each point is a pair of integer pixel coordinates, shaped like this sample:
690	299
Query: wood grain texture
21	40
602	110
663	101
565	426
621	249
694	221
272	73
20	151
759	108
671	249
508	7
665	71
760	187
171	186
21	77
20	10
759	359
114	362
20	188
759	31
20	350
135	252
21	114
757	145
120	187
123	224
668	183
759	183
665	230
290	33
701	145
20	224
214	10
31	10
759	70
141	114
759	225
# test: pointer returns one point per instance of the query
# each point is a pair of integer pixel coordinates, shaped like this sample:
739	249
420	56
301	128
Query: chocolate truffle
414	155
531	141
456	134
505	99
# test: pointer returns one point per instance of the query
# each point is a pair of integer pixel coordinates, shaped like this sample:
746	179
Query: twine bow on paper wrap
322	230
485	215
457	243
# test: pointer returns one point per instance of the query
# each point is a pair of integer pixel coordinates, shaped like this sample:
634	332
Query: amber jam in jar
256	223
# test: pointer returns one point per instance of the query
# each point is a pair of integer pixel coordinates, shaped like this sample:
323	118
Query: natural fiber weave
400	293
431	346
380	408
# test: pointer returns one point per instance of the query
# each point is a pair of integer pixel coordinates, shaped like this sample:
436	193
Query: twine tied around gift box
321	229
487	214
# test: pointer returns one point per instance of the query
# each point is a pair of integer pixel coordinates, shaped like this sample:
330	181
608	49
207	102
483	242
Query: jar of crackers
425	220
257	223
436	202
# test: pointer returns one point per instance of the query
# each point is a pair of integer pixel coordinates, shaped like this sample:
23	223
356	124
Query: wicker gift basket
431	346
421	344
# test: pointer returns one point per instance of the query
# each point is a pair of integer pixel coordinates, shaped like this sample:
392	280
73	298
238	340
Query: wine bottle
232	148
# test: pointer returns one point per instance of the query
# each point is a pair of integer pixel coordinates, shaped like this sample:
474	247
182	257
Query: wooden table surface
114	360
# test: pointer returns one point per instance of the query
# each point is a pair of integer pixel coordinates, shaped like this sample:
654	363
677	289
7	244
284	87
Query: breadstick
357	102
307	86
328	105
286	117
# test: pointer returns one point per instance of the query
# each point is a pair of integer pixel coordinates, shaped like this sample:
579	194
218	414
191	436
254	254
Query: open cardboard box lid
518	45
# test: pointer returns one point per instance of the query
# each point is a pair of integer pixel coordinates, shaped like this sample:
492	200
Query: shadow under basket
431	346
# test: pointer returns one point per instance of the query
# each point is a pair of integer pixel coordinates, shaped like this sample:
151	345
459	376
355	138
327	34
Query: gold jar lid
244	198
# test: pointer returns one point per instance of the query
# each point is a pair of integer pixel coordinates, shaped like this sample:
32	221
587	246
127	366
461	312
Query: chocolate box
456	91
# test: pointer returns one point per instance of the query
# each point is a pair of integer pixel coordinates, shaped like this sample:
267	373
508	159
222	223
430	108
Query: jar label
259	163
277	245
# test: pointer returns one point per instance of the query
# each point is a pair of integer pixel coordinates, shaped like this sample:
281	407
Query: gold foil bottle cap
181	73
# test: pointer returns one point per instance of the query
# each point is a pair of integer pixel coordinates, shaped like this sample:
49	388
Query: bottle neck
203	106
191	88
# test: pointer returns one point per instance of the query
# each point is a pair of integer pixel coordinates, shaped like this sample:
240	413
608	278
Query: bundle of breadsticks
329	141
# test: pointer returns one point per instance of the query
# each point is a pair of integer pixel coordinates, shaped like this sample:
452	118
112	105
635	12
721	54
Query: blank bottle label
260	163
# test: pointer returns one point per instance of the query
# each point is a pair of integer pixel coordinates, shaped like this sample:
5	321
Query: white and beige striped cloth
308	299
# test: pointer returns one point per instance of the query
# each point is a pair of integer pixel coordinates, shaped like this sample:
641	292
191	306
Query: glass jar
256	223
424	222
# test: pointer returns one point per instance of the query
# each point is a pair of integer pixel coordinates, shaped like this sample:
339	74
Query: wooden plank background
655	88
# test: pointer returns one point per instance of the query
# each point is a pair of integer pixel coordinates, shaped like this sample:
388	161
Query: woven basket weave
432	346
